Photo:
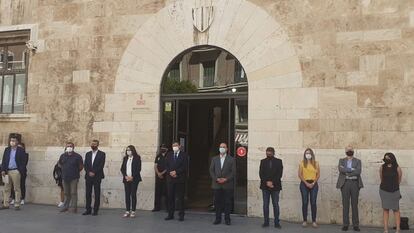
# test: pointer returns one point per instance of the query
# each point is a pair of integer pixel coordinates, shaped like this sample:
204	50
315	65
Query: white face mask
222	150
129	153
176	149
308	156
69	149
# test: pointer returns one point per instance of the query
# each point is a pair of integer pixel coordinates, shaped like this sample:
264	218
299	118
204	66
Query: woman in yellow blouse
309	174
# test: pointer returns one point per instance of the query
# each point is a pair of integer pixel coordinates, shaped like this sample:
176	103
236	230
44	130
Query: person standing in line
57	176
94	173
222	172
350	183
71	164
271	172
177	168
23	177
131	176
12	167
391	175
309	173
160	179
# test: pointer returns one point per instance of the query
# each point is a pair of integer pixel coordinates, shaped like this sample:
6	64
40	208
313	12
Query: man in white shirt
94	164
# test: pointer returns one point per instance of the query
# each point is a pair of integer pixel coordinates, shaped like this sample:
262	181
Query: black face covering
350	153
387	161
269	155
94	147
163	151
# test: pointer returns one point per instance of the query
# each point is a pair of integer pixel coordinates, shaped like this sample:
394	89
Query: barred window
13	71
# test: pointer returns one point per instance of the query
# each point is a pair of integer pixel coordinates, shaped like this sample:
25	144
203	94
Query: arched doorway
259	42
203	103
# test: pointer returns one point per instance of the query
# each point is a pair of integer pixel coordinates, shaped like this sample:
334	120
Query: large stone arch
240	27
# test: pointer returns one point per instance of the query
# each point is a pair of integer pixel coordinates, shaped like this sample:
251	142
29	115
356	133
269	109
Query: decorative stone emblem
203	17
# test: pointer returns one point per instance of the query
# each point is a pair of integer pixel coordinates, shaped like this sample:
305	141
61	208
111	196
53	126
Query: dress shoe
228	222
95	213
345	228
278	226
87	213
356	228
266	224
169	218
217	222
181	219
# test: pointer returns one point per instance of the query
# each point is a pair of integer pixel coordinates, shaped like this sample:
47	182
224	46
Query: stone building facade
322	74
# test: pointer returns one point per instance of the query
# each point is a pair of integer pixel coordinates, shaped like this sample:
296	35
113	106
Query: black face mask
163	151
94	147
350	153
387	161
269	155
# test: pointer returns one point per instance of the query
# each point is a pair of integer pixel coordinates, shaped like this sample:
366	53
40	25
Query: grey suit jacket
228	172
344	172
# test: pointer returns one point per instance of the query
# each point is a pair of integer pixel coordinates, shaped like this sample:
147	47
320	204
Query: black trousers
176	191
222	203
94	184
131	195
22	187
160	191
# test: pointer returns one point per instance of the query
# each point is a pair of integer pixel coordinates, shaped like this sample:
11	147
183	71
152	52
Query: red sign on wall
241	151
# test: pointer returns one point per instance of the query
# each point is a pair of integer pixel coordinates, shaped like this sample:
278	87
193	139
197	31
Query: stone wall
322	74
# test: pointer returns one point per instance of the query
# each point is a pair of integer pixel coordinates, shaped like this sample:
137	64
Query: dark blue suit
21	160
94	182
176	185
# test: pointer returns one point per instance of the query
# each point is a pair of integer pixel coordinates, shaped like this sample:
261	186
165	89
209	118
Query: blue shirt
12	161
349	164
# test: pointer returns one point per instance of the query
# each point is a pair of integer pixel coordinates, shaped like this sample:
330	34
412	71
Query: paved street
46	219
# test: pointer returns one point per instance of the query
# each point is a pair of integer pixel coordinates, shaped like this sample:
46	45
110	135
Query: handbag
404	223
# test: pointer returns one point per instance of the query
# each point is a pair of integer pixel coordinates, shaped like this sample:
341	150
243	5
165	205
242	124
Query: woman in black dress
390	174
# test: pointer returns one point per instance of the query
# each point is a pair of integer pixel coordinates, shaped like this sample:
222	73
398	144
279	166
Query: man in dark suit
222	172
271	171
350	182
176	165
13	164
94	164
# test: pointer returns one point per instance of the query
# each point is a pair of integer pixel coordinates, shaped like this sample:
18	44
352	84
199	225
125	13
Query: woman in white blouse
130	169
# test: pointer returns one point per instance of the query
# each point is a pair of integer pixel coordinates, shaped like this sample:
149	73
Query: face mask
94	147
350	153
129	153
163	151
175	149
69	149
222	150
269	155
387	161
308	156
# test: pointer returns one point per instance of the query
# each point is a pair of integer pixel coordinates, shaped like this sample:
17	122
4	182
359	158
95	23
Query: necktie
175	156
